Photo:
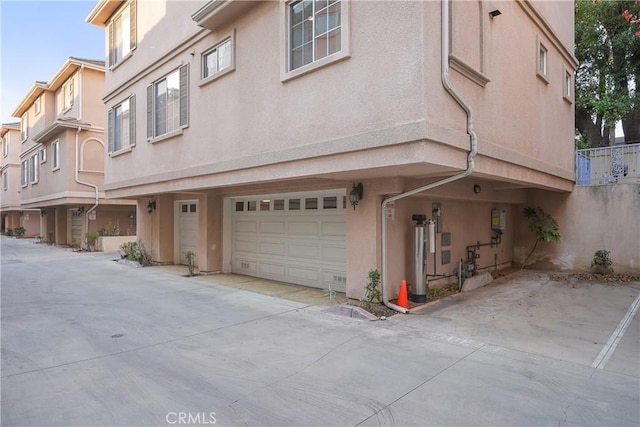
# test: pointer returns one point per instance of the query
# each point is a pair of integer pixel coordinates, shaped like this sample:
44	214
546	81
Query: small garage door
187	229
297	239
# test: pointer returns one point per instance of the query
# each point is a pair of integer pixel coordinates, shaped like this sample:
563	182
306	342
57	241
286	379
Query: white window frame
37	105
34	169
218	72
117	142
542	61
118	54
24	173
153	133
5	180
55	155
42	154
24	127
67	94
5	145
568	86
286	73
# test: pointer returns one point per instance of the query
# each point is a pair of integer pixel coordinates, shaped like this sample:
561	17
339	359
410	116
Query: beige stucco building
242	129
13	215
60	170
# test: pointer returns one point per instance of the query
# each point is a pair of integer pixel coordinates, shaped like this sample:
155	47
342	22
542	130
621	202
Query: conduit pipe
77	178
444	24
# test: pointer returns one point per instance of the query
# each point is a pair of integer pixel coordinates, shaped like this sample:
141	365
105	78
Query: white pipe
77	177
444	24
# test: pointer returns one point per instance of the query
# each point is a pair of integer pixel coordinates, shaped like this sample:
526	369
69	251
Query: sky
36	38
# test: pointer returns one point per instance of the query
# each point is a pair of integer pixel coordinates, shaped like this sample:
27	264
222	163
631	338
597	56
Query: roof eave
102	11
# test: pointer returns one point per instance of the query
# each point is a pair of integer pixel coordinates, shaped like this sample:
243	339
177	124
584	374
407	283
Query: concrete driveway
88	341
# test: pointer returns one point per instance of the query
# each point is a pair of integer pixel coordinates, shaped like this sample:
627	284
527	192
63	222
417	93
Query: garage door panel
303	250
334	228
250	246
245	266
272	248
245	226
272	269
304	274
276	227
306	228
337	280
334	252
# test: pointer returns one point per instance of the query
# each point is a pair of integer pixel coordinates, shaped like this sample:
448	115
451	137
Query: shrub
544	227
602	262
109	229
19	231
92	238
372	294
191	262
136	251
8	232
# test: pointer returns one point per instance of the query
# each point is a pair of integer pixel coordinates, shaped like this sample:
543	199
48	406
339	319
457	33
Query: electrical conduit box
498	219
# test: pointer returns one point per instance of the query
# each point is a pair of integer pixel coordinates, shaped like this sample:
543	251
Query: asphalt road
88	341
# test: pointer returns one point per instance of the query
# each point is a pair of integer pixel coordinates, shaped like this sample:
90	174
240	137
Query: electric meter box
498	219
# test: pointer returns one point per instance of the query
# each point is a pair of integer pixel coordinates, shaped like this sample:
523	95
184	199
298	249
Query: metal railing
608	165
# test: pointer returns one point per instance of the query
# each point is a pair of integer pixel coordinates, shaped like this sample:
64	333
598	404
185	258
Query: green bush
19	231
136	251
372	294
110	229
92	238
191	262
602	262
8	232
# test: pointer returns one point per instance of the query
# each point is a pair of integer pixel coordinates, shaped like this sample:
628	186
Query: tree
545	228
608	51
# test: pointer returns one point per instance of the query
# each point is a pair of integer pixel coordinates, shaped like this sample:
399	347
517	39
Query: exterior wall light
477	189
43	211
151	206
356	194
495	12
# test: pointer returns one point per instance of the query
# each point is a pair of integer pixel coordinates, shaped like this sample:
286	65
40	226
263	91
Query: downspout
77	177
444	24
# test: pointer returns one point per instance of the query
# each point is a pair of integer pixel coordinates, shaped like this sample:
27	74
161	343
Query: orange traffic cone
403	301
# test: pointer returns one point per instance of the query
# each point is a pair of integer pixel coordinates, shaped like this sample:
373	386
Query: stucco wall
591	218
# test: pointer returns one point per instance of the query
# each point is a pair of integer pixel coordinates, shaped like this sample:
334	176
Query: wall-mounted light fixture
356	194
43	211
151	206
494	12
81	210
477	189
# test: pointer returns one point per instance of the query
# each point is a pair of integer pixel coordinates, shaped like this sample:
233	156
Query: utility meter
498	219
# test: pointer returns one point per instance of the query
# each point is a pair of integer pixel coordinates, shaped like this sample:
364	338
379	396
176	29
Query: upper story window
55	154
217	59
24	127
42	154
168	103
315	28
5	145
122	125
34	169
37	105
67	94
122	34
24	172
5	180
543	61
568	86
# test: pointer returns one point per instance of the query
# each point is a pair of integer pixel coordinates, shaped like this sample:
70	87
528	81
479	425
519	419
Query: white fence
608	165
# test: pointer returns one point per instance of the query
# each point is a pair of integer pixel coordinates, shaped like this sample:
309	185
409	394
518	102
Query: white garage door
187	229
292	238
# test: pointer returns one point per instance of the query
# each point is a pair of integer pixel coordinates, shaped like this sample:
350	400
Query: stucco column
163	229
210	227
60	226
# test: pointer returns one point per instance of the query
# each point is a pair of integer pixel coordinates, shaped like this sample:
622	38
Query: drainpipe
444	24
77	177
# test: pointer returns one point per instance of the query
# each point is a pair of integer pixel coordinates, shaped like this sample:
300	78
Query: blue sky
36	38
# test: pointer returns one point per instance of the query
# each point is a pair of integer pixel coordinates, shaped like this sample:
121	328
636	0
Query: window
5	145
311	203
217	59
122	34
67	94
122	130
315	31
24	172
168	103
43	154
265	205
239	206
543	61
55	153
34	169
294	204
5	180
37	105
251	206
568	86
24	127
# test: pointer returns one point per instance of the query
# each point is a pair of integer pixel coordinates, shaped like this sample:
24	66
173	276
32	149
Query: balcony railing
608	165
